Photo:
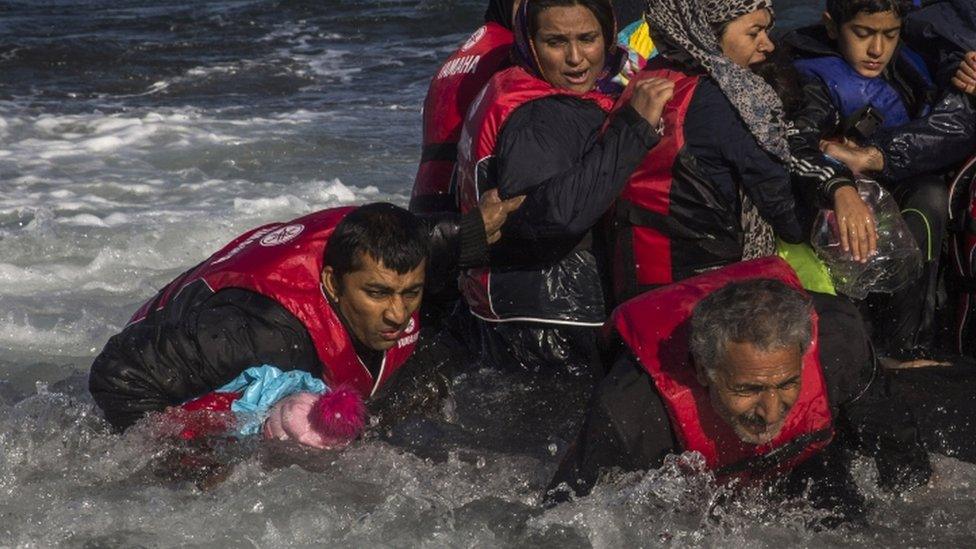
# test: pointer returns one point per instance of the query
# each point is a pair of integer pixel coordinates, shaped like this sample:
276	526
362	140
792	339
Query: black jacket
720	159
942	31
930	143
552	151
202	339
627	427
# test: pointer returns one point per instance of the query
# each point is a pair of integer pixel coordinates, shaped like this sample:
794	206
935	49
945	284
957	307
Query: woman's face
746	39
570	46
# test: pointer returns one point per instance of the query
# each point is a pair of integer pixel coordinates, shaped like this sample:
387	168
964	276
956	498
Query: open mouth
577	77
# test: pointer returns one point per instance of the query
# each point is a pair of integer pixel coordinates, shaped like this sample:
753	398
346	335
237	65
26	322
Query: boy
873	94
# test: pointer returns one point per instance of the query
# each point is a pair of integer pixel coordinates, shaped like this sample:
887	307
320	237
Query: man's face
754	390
868	41
376	302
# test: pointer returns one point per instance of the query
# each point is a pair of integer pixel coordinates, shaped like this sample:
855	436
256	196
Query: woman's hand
965	78
860	160
494	212
856	224
649	98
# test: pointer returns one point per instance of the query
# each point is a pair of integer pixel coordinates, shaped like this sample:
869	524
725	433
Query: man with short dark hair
334	293
741	366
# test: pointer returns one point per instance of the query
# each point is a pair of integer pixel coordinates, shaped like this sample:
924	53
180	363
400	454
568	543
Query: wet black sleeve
873	421
626	427
722	139
456	242
420	386
552	151
929	144
156	363
815	178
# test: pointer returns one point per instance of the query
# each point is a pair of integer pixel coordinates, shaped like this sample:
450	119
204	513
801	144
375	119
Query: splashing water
136	137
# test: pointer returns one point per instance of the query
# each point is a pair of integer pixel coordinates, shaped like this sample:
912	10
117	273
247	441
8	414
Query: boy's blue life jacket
852	92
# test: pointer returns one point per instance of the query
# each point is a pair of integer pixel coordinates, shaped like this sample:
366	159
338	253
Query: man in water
743	367
333	293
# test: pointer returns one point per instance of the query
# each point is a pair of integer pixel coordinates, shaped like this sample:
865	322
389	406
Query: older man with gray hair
759	377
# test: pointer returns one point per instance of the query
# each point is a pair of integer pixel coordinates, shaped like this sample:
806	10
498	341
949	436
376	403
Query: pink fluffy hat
330	420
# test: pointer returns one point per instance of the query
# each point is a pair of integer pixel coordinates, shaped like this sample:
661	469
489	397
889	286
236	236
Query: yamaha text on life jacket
451	91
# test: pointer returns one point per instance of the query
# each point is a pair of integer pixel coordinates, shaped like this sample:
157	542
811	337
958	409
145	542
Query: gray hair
764	312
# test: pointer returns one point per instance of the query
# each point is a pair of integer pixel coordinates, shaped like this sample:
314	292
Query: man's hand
856	224
965	78
860	160
494	212
650	97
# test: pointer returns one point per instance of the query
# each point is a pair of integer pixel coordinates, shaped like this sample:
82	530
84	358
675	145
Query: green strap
928	231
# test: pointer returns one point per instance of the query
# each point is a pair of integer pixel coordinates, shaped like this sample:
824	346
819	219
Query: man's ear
832	31
330	283
700	374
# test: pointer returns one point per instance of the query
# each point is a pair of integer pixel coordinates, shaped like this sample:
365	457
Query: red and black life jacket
504	94
452	90
655	327
283	261
669	222
962	253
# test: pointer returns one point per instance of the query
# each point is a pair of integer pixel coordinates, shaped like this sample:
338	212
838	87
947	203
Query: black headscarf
524	51
500	11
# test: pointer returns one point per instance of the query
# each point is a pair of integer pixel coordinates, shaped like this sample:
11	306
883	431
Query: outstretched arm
151	365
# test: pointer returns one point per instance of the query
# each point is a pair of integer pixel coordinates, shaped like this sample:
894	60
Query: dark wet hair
389	234
764	312
500	11
601	9
842	11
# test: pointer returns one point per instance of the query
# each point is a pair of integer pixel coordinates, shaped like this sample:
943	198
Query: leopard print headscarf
689	25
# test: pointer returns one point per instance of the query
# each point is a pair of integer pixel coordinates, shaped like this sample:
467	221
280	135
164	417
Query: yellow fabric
809	268
636	40
640	41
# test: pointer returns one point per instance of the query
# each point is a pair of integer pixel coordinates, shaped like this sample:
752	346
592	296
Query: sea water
136	137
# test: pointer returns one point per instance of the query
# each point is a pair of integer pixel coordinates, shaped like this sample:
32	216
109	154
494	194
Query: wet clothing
659	342
548	147
903	324
943	32
924	132
941	131
628	426
680	213
245	306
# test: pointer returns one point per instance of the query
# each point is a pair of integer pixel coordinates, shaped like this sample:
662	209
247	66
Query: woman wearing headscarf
535	131
716	190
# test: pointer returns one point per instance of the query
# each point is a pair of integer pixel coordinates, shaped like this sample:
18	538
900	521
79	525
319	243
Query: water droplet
258	507
553	448
480	463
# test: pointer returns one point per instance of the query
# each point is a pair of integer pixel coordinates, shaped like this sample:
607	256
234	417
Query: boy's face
868	41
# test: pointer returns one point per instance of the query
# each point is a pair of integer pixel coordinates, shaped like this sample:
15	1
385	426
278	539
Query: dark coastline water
135	138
